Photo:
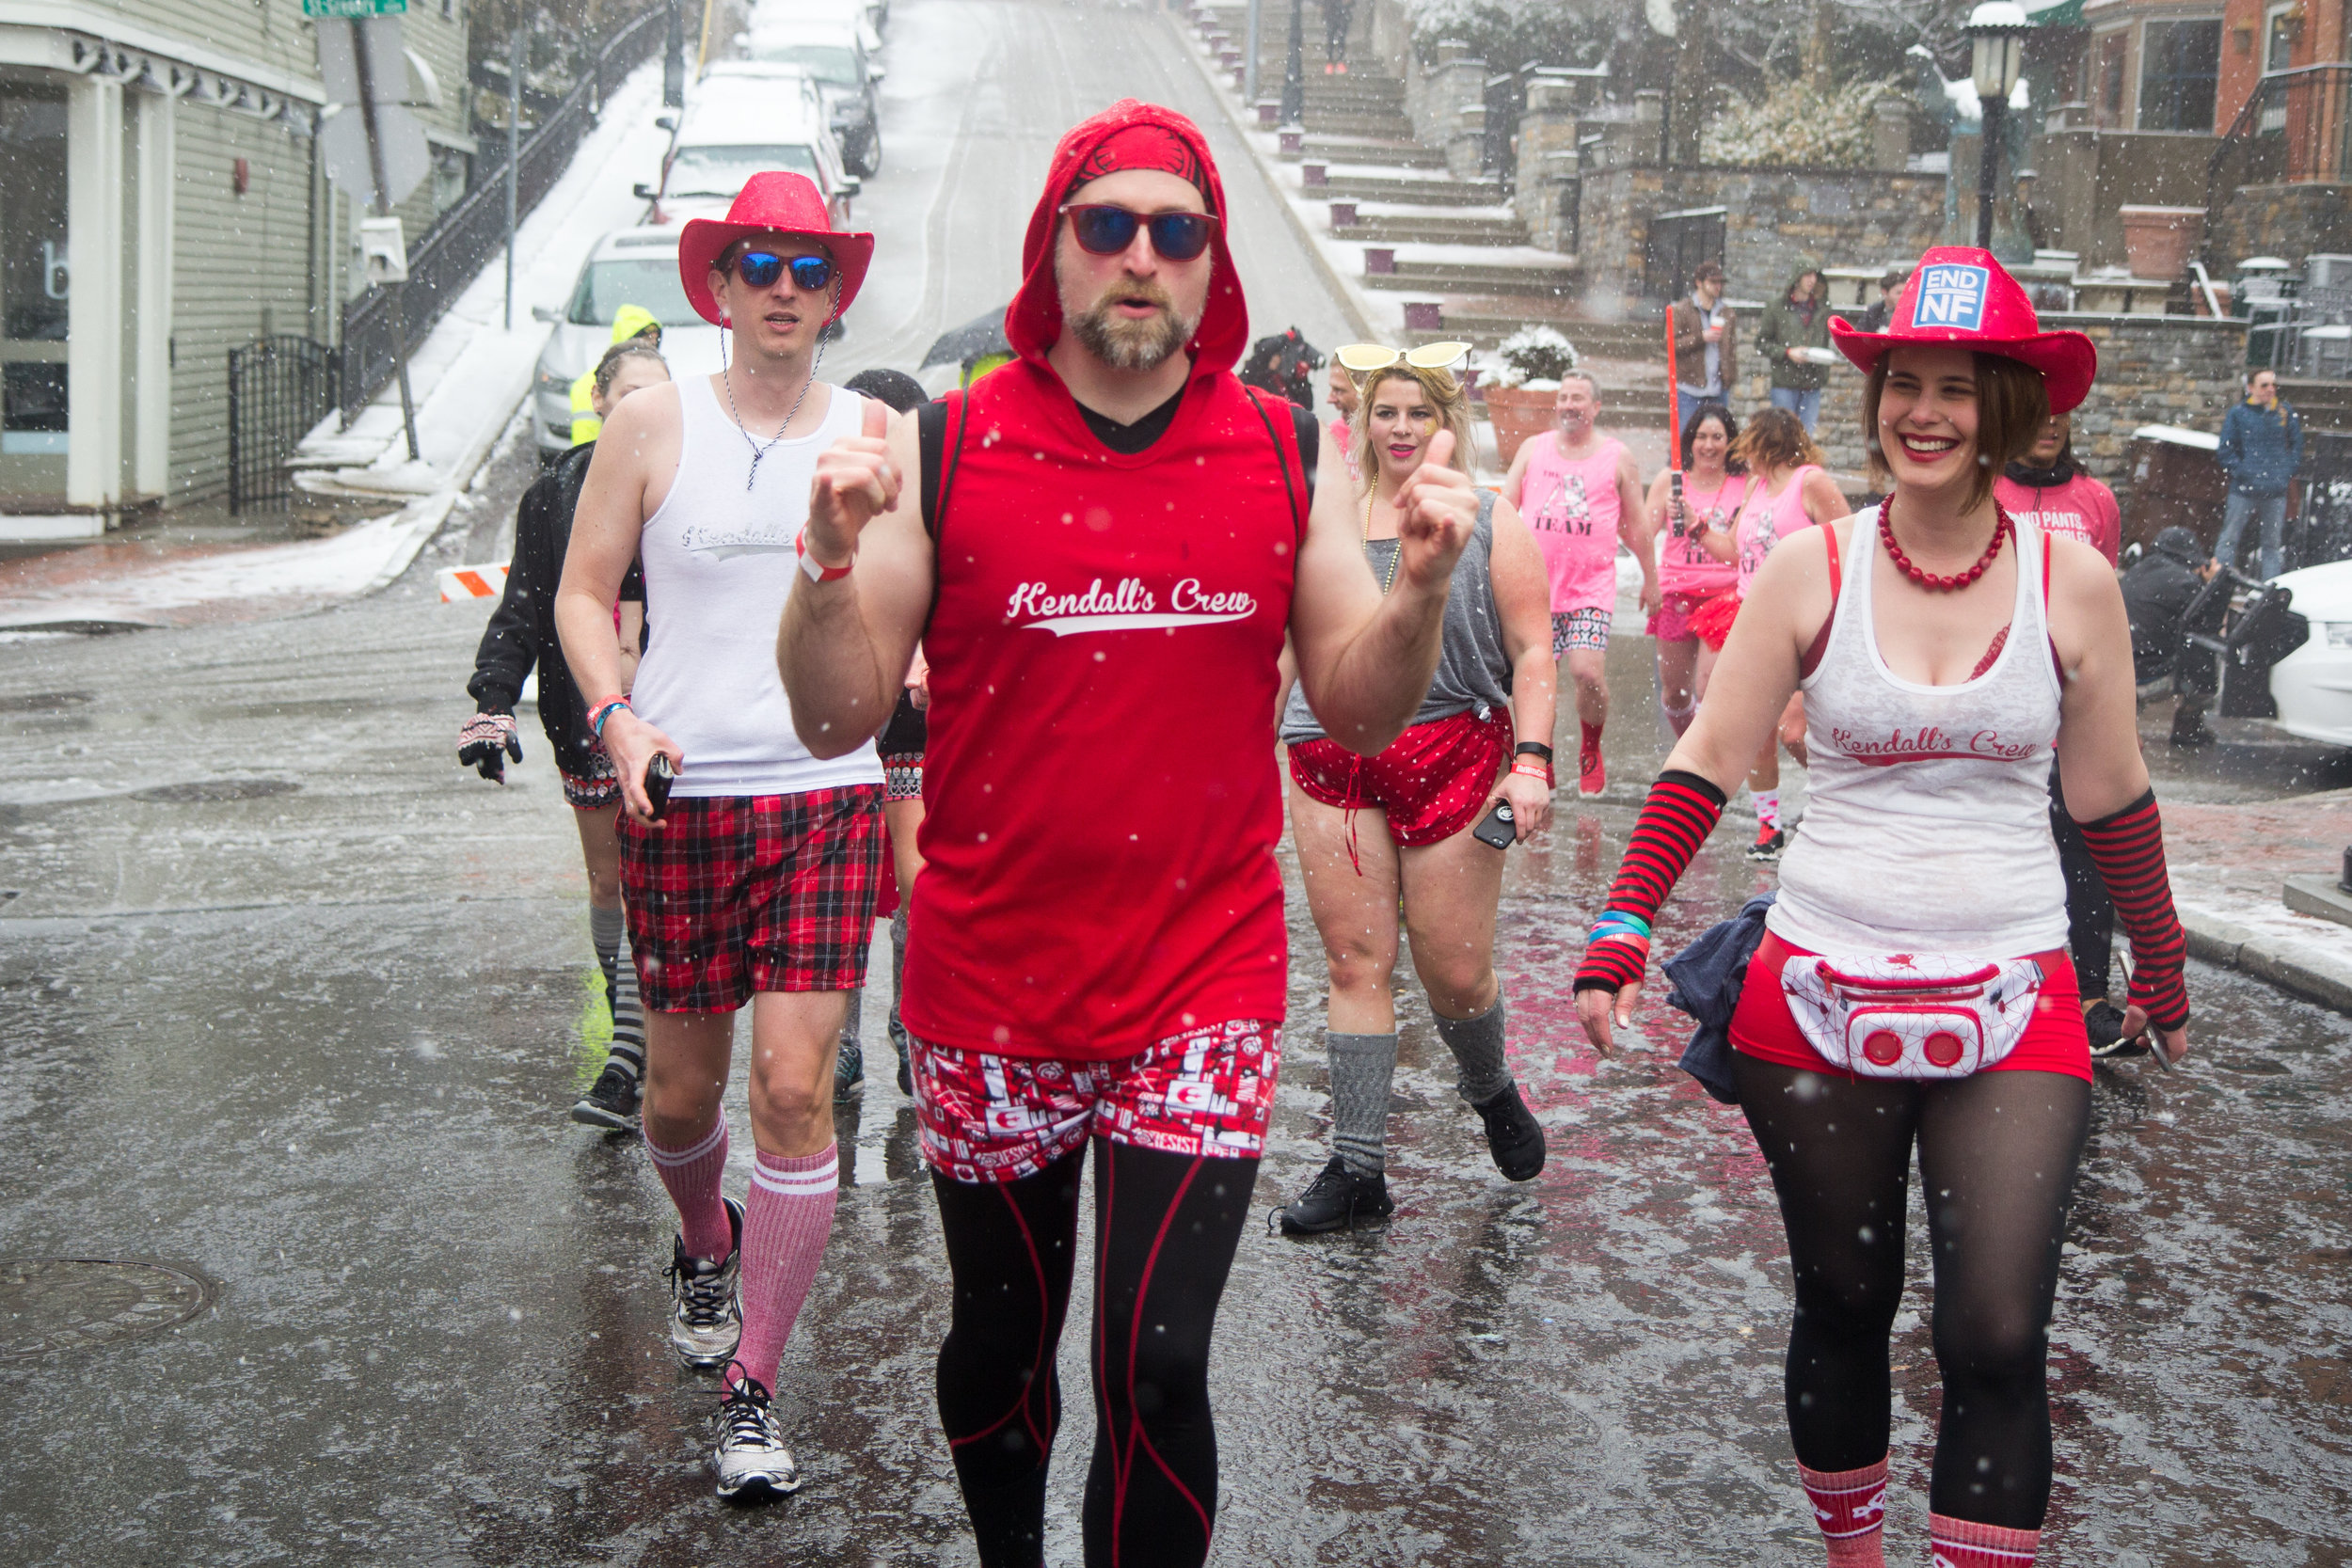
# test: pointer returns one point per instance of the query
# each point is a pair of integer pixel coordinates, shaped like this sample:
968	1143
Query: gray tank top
1473	672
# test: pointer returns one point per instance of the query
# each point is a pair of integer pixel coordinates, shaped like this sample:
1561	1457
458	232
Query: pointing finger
1441	450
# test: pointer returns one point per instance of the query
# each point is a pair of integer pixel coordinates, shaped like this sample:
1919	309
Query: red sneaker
1592	777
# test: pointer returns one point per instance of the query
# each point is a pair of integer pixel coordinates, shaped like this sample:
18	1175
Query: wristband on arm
1681	811
2128	850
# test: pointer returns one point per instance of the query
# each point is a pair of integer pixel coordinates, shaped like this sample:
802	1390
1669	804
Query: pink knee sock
1965	1543
786	1224
1851	1508
692	1175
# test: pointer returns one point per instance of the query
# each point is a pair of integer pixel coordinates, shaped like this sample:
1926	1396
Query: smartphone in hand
659	776
1498	826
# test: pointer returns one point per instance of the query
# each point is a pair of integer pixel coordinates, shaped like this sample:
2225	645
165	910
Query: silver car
631	266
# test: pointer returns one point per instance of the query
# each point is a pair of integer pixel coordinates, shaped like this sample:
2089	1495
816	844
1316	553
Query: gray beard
1132	345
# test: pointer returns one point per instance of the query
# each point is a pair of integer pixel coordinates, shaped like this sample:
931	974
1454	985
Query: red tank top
1101	799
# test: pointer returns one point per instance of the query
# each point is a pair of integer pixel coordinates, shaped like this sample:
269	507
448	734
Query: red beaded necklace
2002	528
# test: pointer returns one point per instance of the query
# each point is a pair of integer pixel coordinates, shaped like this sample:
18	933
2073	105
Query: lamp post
1294	70
1996	43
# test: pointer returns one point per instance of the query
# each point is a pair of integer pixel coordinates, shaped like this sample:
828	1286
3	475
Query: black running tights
1997	1154
1166	1226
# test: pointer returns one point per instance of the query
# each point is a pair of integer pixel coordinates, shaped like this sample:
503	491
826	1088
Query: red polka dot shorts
1432	781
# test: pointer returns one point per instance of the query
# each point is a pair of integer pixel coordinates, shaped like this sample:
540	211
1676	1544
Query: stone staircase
2324	404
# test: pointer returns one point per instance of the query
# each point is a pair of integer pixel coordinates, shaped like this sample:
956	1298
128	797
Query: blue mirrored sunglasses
1105	230
759	268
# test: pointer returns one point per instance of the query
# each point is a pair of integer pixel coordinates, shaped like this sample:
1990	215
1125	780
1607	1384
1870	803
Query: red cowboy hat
1963	296
773	203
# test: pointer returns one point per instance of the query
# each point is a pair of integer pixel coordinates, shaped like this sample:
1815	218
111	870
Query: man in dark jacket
2157	590
521	634
1890	285
2262	446
1706	358
1794	342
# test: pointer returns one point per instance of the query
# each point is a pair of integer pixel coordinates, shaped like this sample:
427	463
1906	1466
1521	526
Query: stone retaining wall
2293	221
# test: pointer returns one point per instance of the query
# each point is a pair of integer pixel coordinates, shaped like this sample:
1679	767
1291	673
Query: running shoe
906	1064
706	1315
1592	777
2102	1021
610	1101
1768	845
1335	1199
751	1461
848	1072
1514	1136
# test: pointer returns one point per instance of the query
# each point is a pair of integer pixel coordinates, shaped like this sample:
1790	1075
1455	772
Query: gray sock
854	1024
898	976
1361	1068
629	1019
605	928
1477	1047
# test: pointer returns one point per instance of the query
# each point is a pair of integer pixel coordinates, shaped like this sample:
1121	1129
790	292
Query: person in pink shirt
1580	492
2047	488
1342	430
1690	575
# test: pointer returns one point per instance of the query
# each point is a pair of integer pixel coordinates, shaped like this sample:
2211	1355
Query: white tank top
719	560
1928	824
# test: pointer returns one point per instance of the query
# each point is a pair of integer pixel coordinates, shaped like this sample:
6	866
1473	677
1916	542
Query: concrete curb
1349	305
2309	973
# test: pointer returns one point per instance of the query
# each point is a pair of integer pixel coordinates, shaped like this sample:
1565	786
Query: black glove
482	738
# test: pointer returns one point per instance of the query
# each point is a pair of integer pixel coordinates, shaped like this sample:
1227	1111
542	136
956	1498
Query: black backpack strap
1289	490
939	458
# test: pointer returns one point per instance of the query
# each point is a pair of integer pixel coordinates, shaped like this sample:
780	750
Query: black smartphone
1498	826
659	776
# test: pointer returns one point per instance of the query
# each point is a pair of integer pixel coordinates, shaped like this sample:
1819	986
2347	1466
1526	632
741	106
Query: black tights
1166	1226
1997	1153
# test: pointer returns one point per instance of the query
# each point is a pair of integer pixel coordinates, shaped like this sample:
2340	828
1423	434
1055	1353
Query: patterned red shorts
986	1118
595	786
1432	781
751	892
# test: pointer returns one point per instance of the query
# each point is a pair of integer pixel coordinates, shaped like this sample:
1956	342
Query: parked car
733	127
846	73
789	79
870	17
629	266
2313	685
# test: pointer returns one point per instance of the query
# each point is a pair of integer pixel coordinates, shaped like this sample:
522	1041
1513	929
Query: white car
2313	685
837	54
632	266
736	126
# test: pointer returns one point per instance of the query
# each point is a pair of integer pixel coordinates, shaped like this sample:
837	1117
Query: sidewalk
2230	866
467	378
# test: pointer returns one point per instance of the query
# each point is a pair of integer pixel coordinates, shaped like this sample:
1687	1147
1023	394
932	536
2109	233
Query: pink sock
786	1224
1851	1508
692	1175
1965	1543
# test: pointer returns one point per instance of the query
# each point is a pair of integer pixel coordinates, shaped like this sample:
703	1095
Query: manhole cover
48	1305
202	791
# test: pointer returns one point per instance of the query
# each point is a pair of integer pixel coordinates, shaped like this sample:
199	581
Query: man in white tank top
755	880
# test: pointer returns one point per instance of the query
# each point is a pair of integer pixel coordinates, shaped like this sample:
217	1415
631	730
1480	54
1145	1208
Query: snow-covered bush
1530	356
1794	123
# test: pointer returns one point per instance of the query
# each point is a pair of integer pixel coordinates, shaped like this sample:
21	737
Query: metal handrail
2244	128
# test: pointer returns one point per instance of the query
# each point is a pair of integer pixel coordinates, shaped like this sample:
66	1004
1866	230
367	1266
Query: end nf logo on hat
1952	296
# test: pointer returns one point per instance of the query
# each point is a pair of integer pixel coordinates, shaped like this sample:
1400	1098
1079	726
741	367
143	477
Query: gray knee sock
1362	1067
629	1019
1477	1047
605	929
898	976
854	1024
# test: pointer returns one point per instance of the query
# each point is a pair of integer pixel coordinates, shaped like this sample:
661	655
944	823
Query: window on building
2108	90
2179	69
34	280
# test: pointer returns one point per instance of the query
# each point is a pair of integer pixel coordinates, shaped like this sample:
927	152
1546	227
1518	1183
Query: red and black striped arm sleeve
2128	849
1681	811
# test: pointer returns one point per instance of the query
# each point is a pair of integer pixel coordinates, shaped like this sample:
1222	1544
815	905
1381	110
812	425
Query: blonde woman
1369	829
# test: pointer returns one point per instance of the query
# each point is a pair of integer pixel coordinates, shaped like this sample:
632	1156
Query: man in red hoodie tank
1102	546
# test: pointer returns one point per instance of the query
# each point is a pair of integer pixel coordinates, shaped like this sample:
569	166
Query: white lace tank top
1928	825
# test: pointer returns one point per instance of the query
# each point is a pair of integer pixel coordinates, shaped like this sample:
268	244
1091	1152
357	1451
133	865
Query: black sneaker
610	1103
848	1072
1513	1134
2103	1022
1767	847
1335	1199
906	1064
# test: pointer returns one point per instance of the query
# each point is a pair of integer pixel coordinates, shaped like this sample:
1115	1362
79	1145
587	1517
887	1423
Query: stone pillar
1890	135
1547	157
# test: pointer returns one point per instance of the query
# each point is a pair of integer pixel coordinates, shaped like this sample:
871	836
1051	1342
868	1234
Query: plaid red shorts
751	892
986	1118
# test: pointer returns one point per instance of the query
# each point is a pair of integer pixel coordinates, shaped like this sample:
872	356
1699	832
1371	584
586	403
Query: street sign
355	7
343	129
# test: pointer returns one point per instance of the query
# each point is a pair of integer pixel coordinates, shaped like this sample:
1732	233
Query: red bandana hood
1033	321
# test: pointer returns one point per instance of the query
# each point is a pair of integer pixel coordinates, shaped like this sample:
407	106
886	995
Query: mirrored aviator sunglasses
760	268
1362	359
1105	230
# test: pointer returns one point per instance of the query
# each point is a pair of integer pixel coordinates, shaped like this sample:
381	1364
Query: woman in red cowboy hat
1911	986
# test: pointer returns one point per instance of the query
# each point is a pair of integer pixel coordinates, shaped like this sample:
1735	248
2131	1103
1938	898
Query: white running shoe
706	1315
751	1461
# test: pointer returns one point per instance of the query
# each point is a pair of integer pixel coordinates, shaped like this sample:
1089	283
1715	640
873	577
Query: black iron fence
278	388
445	257
2296	128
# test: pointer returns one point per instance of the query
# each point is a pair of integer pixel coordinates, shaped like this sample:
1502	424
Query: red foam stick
1674	421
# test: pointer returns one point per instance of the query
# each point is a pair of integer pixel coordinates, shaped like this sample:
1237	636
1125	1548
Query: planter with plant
1521	382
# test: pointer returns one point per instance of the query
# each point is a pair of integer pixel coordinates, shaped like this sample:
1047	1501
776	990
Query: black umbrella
981	335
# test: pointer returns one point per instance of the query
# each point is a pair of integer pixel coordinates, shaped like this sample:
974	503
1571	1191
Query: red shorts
1432	780
1763	1028
1671	620
751	892
986	1118
1710	622
595	786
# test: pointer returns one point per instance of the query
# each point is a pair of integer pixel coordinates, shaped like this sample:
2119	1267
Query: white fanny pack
1911	1015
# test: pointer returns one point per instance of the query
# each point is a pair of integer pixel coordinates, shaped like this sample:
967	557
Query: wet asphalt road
317	1042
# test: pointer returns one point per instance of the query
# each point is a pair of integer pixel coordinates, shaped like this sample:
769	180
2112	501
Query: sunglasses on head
1362	359
760	268
1105	230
